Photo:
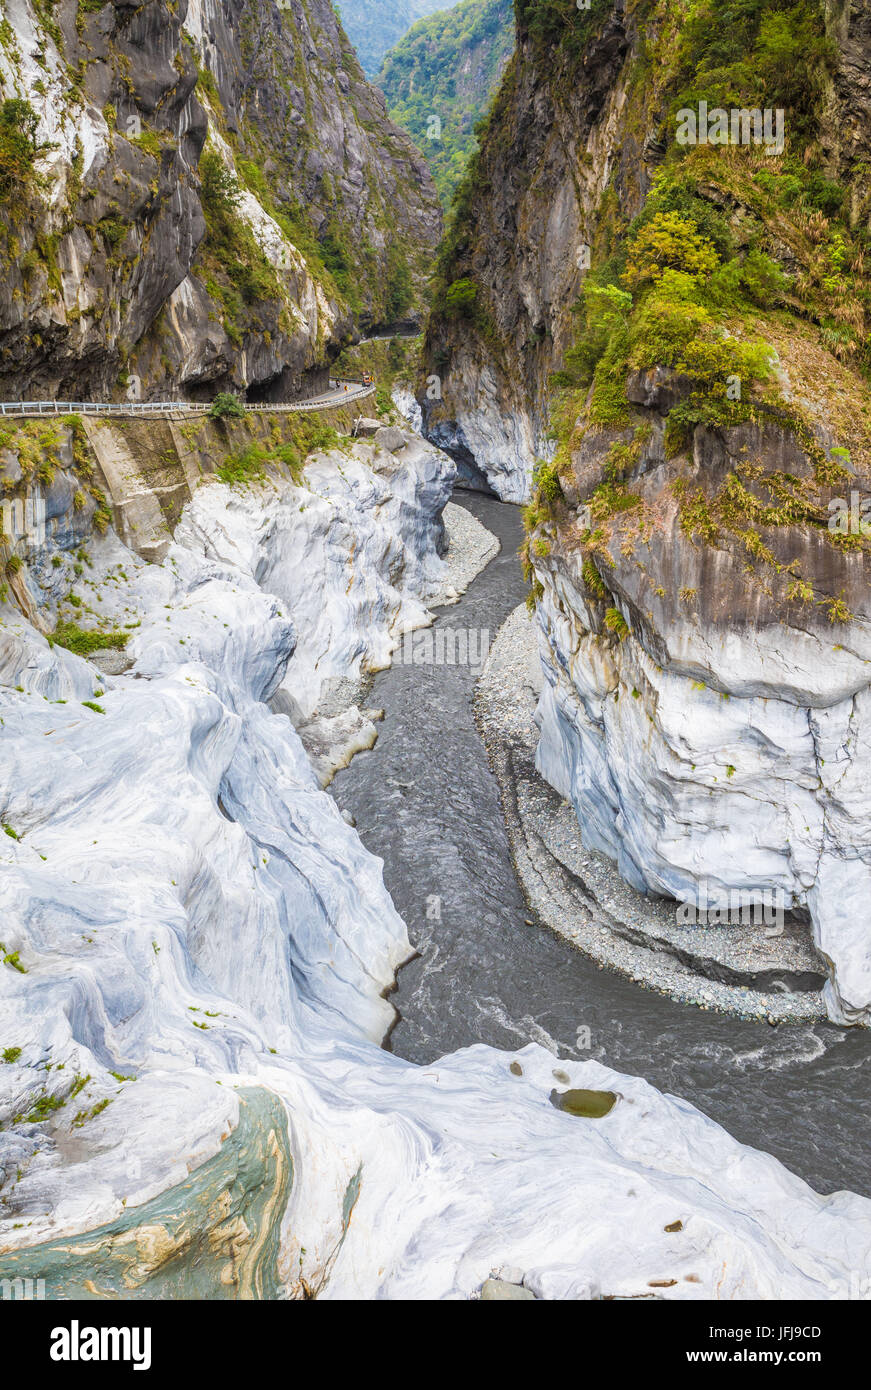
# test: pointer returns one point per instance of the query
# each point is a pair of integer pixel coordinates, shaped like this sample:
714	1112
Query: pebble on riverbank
579	894
470	548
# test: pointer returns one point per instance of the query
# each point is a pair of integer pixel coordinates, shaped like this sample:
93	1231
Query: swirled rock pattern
194	957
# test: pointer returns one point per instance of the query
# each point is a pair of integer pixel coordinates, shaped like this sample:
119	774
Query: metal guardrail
181	408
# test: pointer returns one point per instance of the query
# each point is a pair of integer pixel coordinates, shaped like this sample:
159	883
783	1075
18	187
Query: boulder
390	438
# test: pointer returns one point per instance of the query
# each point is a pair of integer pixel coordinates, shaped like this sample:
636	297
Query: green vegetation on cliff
759	231
371	266
555	27
234	268
440	79
301	435
736	275
20	147
98	238
84	641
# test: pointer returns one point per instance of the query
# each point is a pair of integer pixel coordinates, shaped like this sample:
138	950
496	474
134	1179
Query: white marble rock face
500	436
734	765
352	555
186	907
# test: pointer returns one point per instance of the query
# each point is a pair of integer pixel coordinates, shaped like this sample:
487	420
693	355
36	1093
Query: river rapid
426	802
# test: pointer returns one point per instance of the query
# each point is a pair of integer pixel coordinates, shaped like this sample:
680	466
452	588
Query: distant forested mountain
448	66
374	26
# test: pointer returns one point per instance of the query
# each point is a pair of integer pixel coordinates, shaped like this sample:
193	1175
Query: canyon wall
553	144
575	136
662	342
198	198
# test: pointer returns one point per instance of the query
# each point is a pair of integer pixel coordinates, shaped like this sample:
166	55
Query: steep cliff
585	117
196	197
509	268
656	285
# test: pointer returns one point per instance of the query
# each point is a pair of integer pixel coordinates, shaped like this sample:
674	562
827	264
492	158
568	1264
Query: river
426	802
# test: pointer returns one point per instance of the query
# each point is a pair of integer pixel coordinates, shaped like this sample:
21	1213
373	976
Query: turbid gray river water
427	803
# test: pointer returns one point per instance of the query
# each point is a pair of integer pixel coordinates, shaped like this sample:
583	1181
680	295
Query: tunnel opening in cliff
289	385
